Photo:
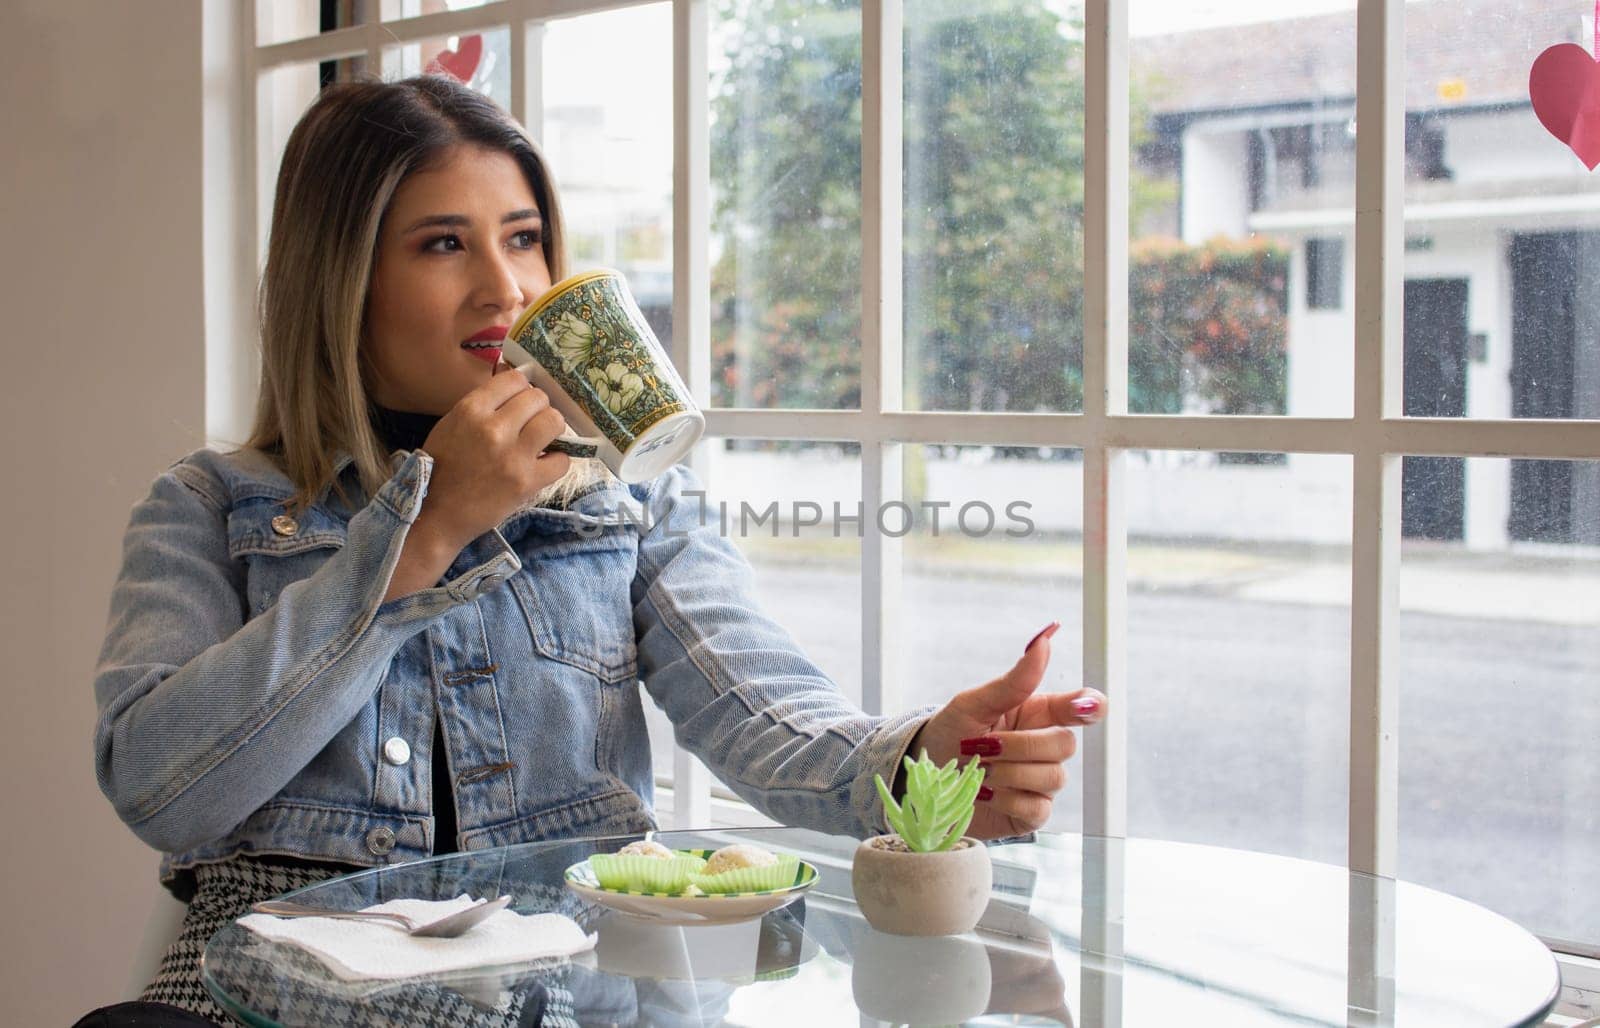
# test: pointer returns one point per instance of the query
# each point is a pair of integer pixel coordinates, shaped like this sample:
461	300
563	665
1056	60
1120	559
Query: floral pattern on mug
592	340
616	386
574	340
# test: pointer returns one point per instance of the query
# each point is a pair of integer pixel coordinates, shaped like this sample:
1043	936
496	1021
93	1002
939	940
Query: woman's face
460	255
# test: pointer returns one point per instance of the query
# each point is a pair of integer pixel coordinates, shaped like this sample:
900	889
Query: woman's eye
527	239
442	244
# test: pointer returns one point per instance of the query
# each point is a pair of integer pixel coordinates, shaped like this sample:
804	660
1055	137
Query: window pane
1499	786
775	502
278	21
994	553
1243	202
609	141
282	96
1239	650
482	60
1502	223
808	564
786	204
993	218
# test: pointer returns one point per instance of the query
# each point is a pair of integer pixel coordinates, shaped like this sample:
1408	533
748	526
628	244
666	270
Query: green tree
994	202
993	228
786	165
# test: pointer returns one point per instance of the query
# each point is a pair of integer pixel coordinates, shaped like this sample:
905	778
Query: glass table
1079	931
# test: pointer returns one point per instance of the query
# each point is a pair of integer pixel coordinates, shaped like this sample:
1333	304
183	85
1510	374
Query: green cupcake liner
750	879
645	874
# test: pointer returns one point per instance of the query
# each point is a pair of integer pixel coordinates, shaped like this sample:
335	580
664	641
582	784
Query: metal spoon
447	927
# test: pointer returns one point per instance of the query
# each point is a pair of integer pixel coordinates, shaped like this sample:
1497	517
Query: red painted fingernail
1086	705
1044	633
985	793
983	746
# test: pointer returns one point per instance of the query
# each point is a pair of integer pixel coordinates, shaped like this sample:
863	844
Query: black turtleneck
403	430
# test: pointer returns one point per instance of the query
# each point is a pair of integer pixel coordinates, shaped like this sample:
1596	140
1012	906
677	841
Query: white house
1256	123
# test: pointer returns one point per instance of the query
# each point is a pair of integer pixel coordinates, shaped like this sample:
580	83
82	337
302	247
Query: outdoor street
1238	711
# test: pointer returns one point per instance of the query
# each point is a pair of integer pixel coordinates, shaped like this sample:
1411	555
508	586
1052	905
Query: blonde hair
344	160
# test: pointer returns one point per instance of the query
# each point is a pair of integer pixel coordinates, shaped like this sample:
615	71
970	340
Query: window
1078	255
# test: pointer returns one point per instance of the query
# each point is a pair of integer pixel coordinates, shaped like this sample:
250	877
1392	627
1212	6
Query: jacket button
380	841
397	751
283	524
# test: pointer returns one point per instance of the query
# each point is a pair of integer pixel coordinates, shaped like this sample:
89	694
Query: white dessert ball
646	848
734	858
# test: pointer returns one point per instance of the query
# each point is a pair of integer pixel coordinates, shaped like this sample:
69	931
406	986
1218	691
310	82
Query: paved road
1238	724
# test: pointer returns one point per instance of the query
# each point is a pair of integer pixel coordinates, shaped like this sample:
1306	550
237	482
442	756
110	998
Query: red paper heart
462	62
1565	88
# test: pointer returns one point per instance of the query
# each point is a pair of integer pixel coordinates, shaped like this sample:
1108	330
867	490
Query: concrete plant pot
906	893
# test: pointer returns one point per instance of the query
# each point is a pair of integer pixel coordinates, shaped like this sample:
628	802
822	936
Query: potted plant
926	878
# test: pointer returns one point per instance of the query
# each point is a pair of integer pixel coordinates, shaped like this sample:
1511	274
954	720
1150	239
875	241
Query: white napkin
356	950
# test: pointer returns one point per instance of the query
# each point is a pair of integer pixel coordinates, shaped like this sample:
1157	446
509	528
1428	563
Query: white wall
1509	146
101	279
1215	198
1321	373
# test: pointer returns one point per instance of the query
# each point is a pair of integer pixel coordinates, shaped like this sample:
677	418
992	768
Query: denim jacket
256	695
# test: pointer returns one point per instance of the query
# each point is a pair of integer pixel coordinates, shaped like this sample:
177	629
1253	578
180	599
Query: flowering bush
1208	324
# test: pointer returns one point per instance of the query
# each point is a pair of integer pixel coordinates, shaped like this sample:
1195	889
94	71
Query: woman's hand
1022	739
487	457
488	460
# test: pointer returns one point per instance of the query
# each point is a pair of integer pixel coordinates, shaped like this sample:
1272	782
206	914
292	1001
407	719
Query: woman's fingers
1045	779
1028	810
1054	744
1084	707
515	413
539	429
485	399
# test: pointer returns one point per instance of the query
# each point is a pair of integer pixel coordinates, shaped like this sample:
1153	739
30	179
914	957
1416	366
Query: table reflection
1093	932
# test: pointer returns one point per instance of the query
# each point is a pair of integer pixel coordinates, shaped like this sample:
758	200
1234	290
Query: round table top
1079	930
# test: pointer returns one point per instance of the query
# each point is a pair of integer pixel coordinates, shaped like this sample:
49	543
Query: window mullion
1375	542
882	367
1378	349
527	64
1105	396
691	298
691	199
1105	529
372	25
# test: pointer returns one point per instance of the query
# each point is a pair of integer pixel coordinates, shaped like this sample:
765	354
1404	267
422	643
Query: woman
392	625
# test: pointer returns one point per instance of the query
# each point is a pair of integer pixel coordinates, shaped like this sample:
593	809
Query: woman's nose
497	284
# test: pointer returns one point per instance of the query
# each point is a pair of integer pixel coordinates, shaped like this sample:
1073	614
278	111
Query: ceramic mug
592	351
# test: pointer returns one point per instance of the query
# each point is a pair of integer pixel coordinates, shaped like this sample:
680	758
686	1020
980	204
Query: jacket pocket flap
264	527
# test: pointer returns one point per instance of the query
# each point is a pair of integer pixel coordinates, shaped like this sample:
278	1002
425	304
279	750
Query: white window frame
1374	437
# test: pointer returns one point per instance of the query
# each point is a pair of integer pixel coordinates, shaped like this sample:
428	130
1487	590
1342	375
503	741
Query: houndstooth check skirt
224	892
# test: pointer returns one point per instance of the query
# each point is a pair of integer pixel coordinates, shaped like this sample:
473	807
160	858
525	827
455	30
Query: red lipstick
482	345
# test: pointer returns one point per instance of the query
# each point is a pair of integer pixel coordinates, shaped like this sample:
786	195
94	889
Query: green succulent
938	803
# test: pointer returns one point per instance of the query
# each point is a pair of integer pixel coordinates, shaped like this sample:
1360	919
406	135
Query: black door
1433	489
1543	327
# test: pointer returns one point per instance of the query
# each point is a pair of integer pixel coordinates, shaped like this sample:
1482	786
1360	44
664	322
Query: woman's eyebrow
462	221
